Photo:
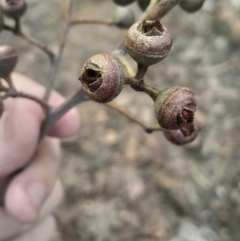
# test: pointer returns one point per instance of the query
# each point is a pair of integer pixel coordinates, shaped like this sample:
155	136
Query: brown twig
30	40
55	115
158	9
57	59
146	127
141	86
18	94
75	22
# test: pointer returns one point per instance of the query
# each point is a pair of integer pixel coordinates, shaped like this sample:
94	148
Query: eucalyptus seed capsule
143	4
148	42
123	17
183	135
175	108
191	5
13	8
102	77
123	2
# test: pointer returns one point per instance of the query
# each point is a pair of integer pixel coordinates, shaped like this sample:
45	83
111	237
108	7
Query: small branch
37	44
137	82
146	127
140	86
158	9
141	71
30	40
11	87
17	25
57	59
18	94
75	22
13	93
55	115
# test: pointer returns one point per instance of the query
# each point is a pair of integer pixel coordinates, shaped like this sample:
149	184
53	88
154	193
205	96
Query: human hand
36	191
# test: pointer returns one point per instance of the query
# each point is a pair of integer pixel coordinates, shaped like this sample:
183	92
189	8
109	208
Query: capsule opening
148	26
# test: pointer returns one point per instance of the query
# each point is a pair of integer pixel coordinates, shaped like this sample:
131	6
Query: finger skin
68	124
21	123
18	227
30	188
46	230
19	131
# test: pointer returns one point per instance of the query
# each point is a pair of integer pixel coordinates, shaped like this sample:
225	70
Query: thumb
19	130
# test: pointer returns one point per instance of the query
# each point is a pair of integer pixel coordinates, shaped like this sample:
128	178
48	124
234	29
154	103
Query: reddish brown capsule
175	107
183	135
143	4
191	6
102	77
123	17
13	8
8	60
123	2
148	42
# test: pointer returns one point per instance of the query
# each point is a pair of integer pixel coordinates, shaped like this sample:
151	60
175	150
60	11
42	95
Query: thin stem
30	40
12	92
151	91
75	22
158	8
11	89
17	26
141	71
56	114
146	127
57	59
137	82
18	94
37	44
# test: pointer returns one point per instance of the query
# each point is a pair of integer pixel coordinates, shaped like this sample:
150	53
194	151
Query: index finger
21	123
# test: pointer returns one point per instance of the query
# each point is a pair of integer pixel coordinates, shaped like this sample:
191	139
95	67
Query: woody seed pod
102	77
123	17
8	60
148	42
13	8
175	107
183	135
123	2
143	4
191	5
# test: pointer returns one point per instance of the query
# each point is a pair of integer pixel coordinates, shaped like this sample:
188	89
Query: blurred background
120	182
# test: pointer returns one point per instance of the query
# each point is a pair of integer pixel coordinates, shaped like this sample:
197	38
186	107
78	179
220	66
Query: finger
21	123
17	227
68	124
29	189
9	226
45	230
19	131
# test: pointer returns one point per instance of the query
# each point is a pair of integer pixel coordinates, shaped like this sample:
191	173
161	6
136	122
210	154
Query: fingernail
37	192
